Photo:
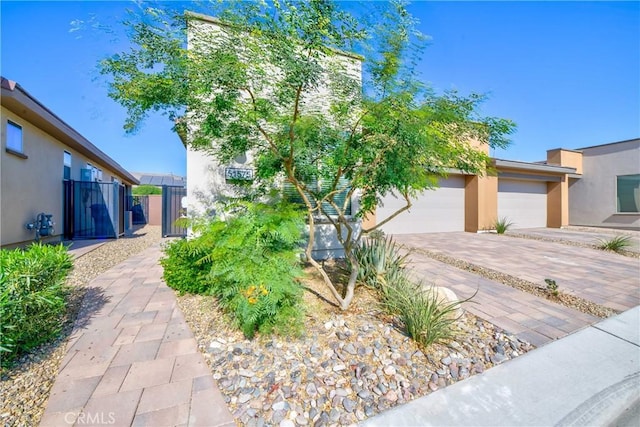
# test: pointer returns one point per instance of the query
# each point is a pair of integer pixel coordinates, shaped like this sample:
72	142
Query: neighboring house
160	179
48	167
608	194
527	194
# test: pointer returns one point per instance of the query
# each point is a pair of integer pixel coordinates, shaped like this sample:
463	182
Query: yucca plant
615	244
502	225
380	261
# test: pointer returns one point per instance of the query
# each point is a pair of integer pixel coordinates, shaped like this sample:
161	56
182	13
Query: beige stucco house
608	194
48	167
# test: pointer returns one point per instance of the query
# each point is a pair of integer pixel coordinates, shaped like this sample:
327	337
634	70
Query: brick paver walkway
602	277
132	359
588	236
529	317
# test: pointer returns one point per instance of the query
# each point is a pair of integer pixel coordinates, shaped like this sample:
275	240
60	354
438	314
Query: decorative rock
391	396
287	423
349	405
389	370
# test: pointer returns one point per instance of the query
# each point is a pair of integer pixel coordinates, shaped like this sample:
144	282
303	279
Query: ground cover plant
32	297
250	261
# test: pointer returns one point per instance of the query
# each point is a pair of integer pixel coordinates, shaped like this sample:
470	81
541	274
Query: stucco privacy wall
206	182
34	185
592	199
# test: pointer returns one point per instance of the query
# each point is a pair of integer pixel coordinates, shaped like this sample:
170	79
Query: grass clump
250	261
615	244
502	225
426	318
32	297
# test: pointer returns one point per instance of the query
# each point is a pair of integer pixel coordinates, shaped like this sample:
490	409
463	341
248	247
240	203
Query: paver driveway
582	235
605	278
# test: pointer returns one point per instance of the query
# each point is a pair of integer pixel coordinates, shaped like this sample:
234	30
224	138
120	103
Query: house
608	194
48	167
528	194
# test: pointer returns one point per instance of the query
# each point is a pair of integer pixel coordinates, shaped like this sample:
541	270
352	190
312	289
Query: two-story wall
39	151
608	194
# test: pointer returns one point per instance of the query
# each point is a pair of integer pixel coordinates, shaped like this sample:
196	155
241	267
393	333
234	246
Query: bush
182	271
250	262
615	244
32	297
426	319
145	190
502	225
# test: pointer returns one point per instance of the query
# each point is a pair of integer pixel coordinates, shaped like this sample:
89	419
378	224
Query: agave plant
380	261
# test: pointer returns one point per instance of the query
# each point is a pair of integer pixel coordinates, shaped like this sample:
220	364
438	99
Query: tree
145	190
253	81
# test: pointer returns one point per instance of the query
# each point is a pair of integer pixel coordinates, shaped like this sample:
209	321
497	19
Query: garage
524	203
436	210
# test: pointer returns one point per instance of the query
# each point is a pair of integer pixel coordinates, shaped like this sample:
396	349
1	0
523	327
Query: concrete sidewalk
132	359
589	378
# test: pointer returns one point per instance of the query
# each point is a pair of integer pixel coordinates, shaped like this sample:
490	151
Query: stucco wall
155	209
592	199
33	185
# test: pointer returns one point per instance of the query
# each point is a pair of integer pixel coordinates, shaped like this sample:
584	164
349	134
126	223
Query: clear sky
568	73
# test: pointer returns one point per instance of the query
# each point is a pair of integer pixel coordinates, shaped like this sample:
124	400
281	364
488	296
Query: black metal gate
93	210
140	210
172	210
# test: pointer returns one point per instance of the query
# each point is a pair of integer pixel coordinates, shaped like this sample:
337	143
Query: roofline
610	143
12	90
538	167
217	21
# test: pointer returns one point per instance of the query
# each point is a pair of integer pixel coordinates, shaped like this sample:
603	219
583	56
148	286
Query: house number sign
238	174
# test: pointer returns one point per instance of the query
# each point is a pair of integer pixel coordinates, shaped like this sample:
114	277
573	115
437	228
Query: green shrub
145	190
182	271
250	262
502	225
615	244
552	287
32	297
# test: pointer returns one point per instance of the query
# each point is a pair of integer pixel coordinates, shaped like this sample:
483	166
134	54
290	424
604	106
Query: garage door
436	210
524	203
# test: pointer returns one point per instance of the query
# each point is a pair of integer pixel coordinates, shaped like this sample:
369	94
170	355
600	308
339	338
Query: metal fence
93	209
172	210
140	209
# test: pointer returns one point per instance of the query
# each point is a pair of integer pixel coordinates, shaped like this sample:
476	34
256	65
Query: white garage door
524	203
436	210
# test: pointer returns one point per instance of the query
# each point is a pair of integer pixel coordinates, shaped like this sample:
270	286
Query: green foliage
145	190
32	297
275	83
182	271
502	225
552	287
615	244
380	261
250	262
426	319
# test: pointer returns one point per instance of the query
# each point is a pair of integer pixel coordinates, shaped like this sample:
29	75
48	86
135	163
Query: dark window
628	193
67	165
339	198
14	137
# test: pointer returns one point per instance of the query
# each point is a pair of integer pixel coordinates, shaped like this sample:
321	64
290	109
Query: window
292	195
628	193
14	137
99	175
67	165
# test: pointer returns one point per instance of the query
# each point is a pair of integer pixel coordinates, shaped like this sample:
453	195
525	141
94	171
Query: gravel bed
26	386
568	300
349	365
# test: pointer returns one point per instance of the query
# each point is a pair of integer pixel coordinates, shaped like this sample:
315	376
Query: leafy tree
273	78
145	190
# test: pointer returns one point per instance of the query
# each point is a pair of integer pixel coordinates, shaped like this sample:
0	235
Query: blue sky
568	73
